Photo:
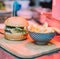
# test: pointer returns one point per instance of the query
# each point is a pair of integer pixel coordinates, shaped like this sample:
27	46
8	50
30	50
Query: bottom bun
15	36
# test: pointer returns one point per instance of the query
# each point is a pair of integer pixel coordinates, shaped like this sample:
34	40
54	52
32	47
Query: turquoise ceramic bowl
41	38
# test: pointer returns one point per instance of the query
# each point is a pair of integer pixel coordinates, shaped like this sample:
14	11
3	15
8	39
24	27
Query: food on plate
16	28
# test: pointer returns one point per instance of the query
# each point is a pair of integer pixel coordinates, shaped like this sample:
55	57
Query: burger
16	28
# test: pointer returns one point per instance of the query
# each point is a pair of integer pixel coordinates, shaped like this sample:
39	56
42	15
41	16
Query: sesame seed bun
16	21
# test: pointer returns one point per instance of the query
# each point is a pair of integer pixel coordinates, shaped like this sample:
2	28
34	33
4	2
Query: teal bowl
41	38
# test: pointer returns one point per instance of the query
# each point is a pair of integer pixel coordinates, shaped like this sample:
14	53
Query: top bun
16	21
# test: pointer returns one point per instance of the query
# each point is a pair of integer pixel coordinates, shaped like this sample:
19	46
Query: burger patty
12	29
8	31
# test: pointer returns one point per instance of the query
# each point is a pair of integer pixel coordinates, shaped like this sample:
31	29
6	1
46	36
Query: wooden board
26	49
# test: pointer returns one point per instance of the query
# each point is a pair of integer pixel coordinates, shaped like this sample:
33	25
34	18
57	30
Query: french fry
43	29
45	25
56	30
